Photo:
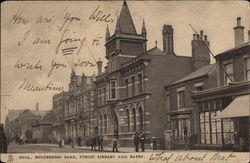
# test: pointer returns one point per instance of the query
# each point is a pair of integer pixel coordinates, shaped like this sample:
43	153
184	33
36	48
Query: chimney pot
201	34
238	21
205	37
99	67
194	36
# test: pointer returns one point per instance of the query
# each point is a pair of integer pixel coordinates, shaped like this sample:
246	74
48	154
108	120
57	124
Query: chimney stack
99	67
168	41
238	33
248	35
200	53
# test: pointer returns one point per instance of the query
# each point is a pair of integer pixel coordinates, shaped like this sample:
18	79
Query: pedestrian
63	143
142	140
60	142
93	143
136	141
185	137
79	141
3	141
99	142
115	144
72	143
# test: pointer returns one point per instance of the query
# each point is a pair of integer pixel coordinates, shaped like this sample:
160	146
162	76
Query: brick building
179	105
130	89
74	110
224	110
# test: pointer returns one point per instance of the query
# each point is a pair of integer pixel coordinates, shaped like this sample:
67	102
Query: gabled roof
227	52
13	114
155	51
39	112
206	70
125	22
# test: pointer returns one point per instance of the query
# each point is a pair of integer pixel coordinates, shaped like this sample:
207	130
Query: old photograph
125	77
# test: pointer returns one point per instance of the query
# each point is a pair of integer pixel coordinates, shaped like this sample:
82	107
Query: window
229	76
101	125
247	68
133	86
134	118
105	94
128	119
167	100
199	88
105	128
141	117
140	83
100	97
126	87
211	129
113	90
181	99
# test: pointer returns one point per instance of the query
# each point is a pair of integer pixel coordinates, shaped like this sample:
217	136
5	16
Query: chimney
248	35
238	33
200	53
168	42
99	67
37	106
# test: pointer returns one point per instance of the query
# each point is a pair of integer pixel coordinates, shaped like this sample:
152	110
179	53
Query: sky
24	22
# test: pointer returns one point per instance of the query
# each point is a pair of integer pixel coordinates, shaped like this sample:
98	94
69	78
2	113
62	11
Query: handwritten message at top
51	43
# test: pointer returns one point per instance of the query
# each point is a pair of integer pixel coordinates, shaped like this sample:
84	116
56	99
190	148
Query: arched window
128	119
105	124
140	117
101	125
134	118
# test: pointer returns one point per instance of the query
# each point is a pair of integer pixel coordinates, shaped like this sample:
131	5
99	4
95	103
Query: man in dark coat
79	140
100	140
115	145
142	140
136	141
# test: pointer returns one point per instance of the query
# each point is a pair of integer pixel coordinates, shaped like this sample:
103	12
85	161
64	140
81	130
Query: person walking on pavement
142	140
136	141
115	144
3	141
100	140
79	141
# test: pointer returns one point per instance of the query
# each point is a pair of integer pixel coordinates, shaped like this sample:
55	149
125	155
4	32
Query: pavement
105	149
54	148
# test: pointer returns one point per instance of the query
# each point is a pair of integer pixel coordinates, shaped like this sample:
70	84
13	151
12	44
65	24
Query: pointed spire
125	3
143	30
125	23
117	27
107	33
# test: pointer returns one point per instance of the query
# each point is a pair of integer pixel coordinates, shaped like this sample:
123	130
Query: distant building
20	123
224	110
74	110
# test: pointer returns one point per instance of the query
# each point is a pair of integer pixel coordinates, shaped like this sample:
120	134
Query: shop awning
239	107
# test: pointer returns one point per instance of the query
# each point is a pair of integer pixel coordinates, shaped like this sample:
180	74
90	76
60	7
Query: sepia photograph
151	81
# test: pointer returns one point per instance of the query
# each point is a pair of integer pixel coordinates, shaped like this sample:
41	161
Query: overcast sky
215	18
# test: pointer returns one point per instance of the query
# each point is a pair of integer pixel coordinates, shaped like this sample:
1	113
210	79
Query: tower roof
143	30
125	23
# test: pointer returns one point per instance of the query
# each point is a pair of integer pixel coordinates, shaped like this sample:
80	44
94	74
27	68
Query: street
47	148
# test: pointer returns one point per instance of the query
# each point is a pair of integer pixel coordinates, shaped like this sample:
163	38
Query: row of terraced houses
177	100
